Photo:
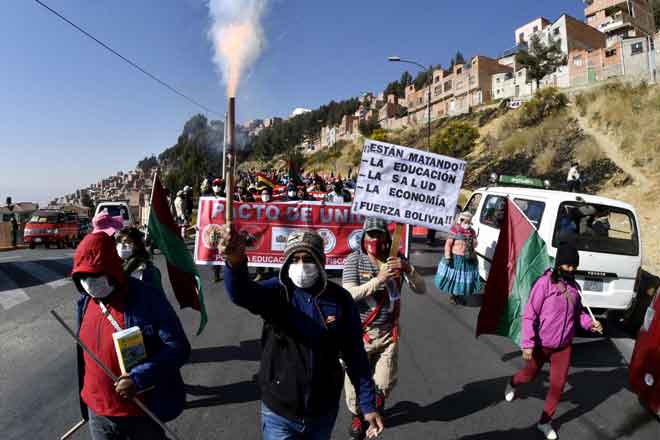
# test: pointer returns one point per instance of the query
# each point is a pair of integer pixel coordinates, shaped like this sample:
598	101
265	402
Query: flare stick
231	157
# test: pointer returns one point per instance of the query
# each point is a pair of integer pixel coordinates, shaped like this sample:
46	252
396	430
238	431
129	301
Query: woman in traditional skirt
458	271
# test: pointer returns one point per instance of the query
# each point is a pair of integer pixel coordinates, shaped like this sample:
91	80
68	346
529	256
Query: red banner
265	227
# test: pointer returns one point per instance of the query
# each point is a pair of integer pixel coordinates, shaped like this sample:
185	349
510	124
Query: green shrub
546	102
456	138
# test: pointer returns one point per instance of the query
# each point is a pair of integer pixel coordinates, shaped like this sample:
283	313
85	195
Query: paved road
451	384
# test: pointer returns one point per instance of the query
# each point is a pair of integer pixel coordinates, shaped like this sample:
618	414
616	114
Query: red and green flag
521	257
181	268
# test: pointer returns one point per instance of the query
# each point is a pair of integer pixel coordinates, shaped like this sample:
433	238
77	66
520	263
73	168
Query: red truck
644	369
52	226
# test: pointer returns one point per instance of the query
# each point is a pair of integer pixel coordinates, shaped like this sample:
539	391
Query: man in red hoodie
109	301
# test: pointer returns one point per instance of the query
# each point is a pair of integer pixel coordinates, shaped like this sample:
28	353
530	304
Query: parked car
514	103
605	231
52	227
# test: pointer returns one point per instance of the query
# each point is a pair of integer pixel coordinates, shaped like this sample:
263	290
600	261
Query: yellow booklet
130	349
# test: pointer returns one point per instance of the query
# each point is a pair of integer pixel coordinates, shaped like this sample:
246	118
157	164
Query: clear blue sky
71	113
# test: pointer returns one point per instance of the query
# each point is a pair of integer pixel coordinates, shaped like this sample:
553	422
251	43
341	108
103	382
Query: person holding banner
553	310
458	272
308	323
375	282
109	302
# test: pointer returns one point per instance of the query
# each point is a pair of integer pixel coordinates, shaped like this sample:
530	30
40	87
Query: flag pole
112	376
151	201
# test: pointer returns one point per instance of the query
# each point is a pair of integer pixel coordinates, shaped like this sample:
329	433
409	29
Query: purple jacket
549	318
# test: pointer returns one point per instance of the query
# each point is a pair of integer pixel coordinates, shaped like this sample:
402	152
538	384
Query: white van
605	232
116	209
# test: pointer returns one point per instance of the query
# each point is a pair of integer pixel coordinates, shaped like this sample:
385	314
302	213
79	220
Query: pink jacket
549	318
455	244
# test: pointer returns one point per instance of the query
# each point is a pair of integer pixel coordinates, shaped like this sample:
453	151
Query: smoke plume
237	37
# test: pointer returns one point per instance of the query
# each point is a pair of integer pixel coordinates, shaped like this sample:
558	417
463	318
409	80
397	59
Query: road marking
13	296
43	274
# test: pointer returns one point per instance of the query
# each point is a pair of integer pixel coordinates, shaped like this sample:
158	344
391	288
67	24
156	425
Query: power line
130	62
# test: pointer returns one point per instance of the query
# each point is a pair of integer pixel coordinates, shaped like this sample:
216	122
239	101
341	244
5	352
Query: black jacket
303	337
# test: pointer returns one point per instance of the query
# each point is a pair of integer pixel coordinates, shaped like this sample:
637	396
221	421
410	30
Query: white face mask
216	189
303	275
124	250
97	287
265	198
292	193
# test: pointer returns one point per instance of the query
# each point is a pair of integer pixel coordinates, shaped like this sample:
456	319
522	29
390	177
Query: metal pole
112	376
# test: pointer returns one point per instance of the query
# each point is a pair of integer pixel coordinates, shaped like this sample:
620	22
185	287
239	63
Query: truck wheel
59	244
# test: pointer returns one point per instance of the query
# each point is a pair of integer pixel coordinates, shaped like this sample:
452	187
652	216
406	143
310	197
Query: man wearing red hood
98	276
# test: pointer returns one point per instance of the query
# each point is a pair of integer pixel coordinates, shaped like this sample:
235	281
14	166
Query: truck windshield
597	228
43	219
116	210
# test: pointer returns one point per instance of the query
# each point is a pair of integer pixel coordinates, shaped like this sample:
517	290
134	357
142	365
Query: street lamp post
430	82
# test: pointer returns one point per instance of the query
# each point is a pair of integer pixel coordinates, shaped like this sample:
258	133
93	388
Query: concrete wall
523	33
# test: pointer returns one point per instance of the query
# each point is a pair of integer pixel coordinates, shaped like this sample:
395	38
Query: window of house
555	31
610	53
459	71
637	48
499	80
447	86
438	89
536	28
521	36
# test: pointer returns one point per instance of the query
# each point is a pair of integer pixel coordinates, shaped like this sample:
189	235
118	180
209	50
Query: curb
7	249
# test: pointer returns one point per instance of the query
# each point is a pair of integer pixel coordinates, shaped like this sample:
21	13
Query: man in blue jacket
108	301
309	323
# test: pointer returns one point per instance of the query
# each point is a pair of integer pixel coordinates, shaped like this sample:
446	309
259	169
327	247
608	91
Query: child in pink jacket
552	312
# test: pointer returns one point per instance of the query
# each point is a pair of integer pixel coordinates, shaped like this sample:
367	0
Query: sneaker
258	277
509	392
357	431
547	430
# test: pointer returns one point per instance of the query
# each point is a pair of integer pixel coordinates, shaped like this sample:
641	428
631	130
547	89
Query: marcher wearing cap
309	322
104	222
458	272
553	310
375	281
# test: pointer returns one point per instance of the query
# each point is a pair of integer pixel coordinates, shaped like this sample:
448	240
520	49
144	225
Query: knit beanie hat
308	241
567	254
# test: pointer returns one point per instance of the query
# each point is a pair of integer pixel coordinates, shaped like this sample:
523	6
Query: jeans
274	427
124	428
